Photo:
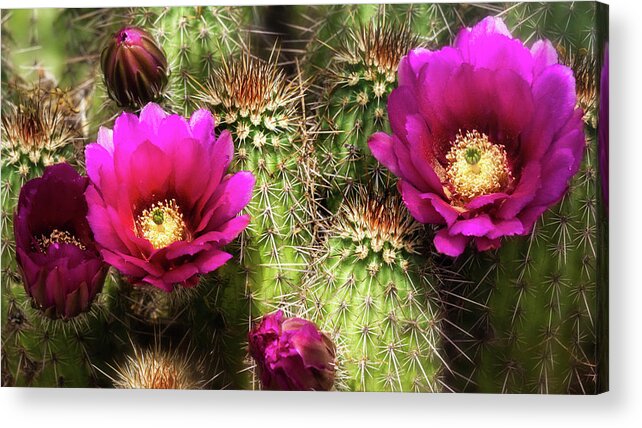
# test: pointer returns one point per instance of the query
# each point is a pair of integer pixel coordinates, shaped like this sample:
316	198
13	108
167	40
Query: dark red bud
134	67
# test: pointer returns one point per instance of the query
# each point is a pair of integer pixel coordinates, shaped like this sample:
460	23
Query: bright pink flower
485	135
292	354
160	203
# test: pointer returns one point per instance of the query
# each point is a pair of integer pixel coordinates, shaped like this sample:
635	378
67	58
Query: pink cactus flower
485	136
161	205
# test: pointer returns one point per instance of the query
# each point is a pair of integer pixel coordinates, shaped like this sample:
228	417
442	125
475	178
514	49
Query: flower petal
420	207
450	245
232	195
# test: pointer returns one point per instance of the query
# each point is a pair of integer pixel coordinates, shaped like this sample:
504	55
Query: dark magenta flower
292	354
134	67
485	135
160	203
61	268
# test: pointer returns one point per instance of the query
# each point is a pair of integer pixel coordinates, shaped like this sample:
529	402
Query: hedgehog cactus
537	316
38	130
254	100
375	295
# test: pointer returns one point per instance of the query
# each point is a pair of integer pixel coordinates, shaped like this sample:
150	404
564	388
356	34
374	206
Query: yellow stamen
161	224
58	237
476	166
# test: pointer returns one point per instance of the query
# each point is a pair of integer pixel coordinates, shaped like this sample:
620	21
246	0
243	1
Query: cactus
536	318
254	101
375	295
41	127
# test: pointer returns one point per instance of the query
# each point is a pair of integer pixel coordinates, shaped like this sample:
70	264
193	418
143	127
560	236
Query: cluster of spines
155	369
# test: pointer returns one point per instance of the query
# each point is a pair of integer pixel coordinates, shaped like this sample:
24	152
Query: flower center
161	224
476	166
58	237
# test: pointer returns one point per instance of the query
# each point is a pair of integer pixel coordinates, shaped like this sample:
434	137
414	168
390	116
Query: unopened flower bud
292	354
135	68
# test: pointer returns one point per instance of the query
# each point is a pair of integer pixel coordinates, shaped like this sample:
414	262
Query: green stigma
158	217
472	155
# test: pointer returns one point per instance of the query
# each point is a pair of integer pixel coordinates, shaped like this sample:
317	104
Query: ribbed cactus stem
376	297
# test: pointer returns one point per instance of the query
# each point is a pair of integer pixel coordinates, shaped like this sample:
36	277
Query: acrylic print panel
407	197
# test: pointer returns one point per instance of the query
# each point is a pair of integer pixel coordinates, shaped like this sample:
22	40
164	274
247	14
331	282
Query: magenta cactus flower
485	136
61	268
291	354
134	67
161	205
